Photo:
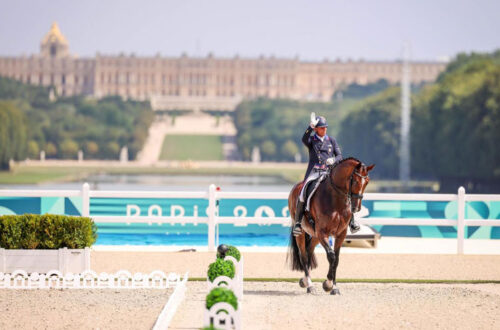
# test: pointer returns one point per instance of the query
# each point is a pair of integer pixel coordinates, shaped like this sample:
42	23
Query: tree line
31	122
455	126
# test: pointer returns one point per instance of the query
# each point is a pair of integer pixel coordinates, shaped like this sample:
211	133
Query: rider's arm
336	150
306	137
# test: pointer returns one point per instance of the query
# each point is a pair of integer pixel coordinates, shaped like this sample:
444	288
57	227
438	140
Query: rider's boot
353	225
299	213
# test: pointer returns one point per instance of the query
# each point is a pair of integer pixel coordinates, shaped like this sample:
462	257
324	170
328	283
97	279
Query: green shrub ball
220	268
221	295
233	252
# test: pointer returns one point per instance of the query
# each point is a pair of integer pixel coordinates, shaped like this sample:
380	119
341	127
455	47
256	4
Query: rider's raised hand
314	120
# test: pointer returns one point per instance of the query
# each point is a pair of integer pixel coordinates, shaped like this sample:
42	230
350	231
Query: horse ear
369	168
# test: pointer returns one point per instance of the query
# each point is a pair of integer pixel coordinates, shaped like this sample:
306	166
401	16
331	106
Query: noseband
350	195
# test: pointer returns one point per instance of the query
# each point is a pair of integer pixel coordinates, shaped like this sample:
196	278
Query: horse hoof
302	283
335	292
310	289
327	285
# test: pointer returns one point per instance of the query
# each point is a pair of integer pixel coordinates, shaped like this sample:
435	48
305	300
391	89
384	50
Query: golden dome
54	35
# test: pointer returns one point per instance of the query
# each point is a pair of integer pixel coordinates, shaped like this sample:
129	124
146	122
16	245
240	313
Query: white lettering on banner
152	208
238	209
174	208
285	212
134	207
261	210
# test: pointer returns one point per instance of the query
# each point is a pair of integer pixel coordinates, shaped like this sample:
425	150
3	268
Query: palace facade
208	83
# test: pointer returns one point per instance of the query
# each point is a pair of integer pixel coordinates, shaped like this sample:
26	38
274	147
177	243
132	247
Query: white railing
264	215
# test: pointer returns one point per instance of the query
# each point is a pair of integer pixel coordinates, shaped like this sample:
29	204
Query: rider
323	151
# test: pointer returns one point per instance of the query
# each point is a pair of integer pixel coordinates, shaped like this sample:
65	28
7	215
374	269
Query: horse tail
294	254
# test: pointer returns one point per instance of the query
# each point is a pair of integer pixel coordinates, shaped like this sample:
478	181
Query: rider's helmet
321	122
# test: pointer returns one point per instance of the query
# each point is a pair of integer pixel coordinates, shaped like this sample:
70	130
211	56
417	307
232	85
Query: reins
350	195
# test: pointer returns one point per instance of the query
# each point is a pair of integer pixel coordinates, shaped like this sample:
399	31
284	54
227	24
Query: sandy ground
81	309
273	265
375	306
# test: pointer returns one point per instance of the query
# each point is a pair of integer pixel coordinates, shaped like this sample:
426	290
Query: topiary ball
229	250
221	295
220	267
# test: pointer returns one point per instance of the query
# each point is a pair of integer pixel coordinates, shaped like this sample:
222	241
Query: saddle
309	191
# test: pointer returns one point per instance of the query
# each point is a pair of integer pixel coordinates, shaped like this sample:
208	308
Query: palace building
208	83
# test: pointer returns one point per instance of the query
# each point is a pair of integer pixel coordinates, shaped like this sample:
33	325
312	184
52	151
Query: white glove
330	161
314	120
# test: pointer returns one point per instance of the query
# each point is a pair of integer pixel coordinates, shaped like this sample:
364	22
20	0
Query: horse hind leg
306	281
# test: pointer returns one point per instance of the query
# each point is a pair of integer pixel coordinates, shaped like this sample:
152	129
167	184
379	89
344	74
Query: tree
458	124
268	149
13	141
68	148
289	150
372	133
33	149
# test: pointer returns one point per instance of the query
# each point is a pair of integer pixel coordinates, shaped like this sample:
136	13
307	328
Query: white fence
212	218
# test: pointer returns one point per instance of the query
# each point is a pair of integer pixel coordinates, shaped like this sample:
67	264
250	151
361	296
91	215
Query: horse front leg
306	281
328	284
332	274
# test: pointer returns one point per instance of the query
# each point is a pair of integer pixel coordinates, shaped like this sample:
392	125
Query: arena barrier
130	207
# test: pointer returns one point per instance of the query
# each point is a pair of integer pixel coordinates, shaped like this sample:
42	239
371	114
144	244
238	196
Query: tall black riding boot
353	225
299	213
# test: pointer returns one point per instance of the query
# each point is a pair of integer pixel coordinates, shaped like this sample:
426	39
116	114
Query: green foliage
220	268
358	91
13	134
276	126
221	295
457	121
110	122
371	133
233	252
47	231
33	149
185	147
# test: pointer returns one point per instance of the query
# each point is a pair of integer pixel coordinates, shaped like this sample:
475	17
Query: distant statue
124	155
298	157
255	155
52	95
80	156
42	155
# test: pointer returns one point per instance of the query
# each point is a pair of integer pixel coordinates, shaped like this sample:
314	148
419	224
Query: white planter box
41	261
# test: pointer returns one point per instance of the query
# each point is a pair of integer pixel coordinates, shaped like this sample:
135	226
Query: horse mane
349	158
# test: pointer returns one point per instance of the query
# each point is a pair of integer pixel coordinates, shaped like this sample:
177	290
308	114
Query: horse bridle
350	195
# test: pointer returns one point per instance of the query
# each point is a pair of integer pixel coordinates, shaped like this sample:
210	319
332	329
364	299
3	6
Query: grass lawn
193	147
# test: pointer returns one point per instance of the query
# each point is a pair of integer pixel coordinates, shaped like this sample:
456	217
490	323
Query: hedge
220	268
228	250
221	295
47	231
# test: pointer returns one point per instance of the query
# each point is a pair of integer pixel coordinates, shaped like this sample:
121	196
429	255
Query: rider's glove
330	161
314	120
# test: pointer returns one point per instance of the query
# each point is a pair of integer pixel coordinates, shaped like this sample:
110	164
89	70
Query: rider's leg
299	212
354	225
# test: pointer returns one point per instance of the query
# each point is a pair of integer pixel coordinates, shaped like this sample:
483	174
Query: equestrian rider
323	152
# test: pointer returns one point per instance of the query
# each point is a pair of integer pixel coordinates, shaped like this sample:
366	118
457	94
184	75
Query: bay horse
331	207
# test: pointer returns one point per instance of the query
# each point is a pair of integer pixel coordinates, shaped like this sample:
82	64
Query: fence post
85	200
461	220
211	217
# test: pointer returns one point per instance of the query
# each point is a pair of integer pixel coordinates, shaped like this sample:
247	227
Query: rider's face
321	131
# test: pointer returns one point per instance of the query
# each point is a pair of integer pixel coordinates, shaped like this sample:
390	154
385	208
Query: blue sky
313	30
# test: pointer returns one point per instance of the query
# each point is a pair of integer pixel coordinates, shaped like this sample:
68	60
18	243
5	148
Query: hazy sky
374	29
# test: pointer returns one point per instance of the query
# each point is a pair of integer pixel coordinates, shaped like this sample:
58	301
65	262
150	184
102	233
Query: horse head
350	178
